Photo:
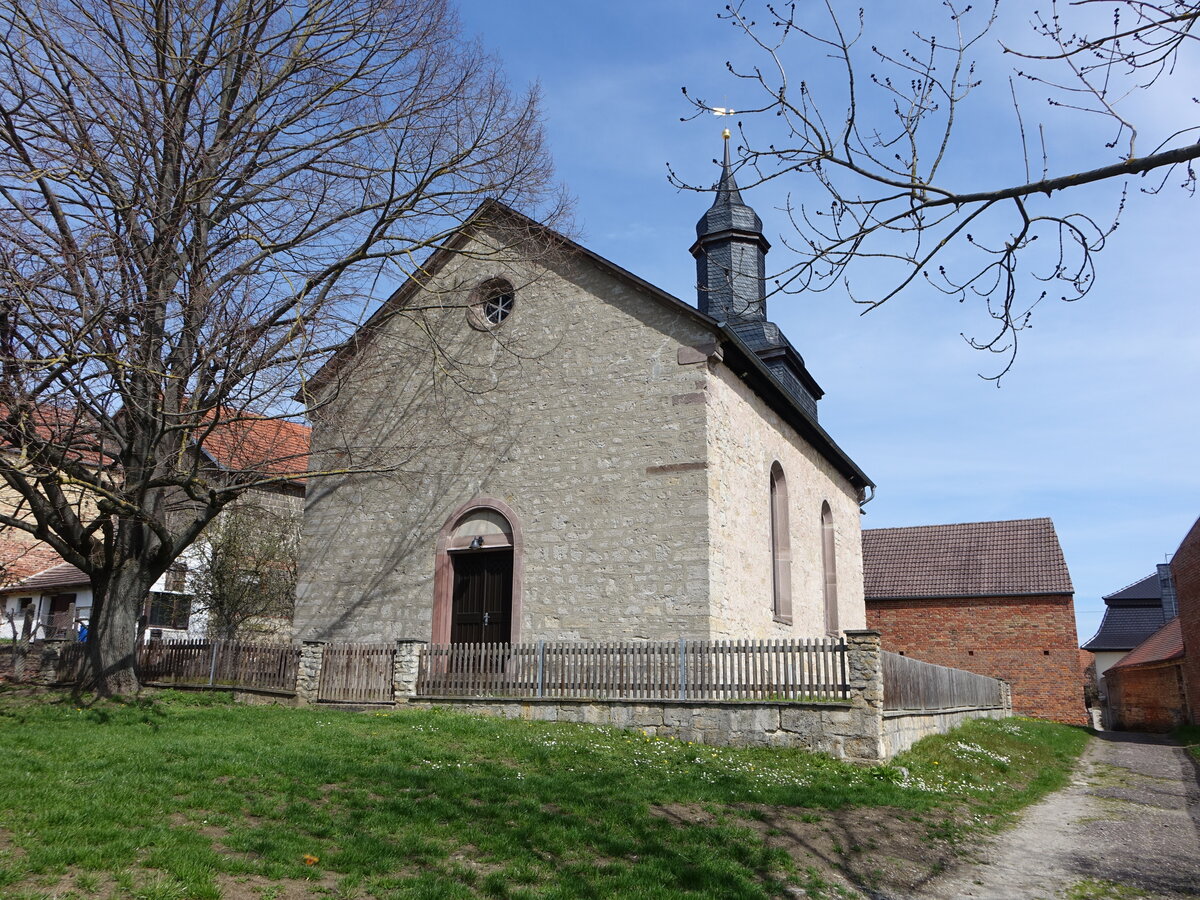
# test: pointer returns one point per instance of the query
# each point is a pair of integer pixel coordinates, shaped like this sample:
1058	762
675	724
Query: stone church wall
576	413
745	437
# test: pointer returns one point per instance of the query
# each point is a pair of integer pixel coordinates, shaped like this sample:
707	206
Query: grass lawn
1189	736
190	796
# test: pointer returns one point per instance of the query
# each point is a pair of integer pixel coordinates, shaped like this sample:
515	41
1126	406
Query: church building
528	442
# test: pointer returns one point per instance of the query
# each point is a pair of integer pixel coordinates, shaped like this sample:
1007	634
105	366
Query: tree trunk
113	633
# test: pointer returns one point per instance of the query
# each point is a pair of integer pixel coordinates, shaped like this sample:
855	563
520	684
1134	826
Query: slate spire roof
728	211
731	276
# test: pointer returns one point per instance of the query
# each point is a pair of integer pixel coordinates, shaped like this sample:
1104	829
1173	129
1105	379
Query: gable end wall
585	424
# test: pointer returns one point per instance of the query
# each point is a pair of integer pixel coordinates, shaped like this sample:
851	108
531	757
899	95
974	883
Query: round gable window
492	304
497	307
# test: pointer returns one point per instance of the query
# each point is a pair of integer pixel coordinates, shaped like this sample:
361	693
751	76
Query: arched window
829	565
781	548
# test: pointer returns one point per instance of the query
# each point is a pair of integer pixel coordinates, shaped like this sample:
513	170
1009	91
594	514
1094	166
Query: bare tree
199	201
244	570
877	124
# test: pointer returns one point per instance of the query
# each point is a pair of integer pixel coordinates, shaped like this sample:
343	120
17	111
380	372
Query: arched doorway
477	579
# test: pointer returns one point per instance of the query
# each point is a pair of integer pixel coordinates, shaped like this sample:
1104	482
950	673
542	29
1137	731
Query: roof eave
1057	592
756	373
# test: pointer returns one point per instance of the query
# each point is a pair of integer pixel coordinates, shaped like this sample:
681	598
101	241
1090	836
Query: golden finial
725	134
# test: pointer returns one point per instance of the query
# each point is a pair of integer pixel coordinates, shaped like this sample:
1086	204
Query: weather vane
723	111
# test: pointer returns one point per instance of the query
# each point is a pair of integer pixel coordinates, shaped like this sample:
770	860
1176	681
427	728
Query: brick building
1131	615
1146	687
1185	569
989	597
579	455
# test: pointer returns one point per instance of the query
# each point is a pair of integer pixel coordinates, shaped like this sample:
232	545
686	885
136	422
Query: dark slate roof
1162	646
1131	615
1149	588
1124	627
729	212
62	575
975	559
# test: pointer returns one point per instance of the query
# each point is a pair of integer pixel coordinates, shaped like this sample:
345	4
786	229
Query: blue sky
1096	425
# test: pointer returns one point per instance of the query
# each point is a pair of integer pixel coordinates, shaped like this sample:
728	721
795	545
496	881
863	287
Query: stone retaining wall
834	728
858	729
903	728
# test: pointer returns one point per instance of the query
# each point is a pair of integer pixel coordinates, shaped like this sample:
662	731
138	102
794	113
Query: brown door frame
443	572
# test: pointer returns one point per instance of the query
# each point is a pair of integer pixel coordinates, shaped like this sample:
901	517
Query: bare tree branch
878	134
198	202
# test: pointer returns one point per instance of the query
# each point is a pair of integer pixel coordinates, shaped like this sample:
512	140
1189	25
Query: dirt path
1128	826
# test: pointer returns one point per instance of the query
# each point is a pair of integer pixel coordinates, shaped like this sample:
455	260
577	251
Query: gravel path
1130	817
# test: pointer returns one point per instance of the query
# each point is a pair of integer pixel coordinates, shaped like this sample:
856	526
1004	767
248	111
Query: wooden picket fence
268	667
69	663
357	673
805	670
654	670
913	684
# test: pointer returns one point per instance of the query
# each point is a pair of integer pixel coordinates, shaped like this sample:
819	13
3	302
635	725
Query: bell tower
731	264
731	254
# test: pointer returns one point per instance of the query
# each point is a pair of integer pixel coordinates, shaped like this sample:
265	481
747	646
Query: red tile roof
69	431
974	559
258	444
62	575
1162	646
241	442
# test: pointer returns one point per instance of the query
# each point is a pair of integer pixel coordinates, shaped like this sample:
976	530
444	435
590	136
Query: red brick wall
1028	641
1148	698
1185	569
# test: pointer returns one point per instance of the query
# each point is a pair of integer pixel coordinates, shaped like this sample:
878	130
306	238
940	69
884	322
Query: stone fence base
842	730
835	728
34	663
857	729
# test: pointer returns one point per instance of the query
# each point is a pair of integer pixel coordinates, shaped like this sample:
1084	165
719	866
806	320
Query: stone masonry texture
1185	570
1027	641
639	478
745	438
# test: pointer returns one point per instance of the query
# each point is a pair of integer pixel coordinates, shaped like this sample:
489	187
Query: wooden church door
482	603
